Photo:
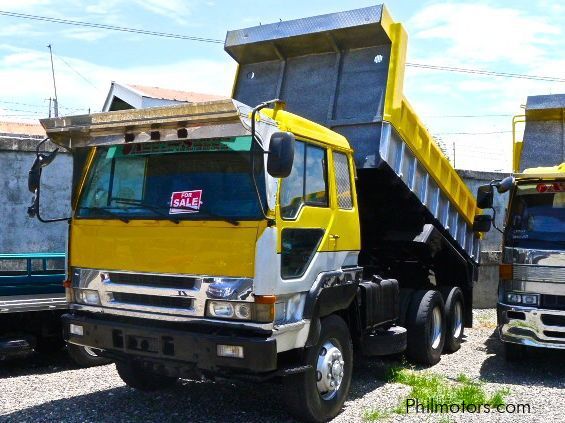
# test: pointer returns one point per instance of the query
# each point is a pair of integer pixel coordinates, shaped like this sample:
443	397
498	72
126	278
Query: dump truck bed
345	71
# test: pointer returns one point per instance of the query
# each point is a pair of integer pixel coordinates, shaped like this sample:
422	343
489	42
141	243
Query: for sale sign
185	201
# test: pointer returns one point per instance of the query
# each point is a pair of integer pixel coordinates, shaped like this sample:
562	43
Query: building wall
18	232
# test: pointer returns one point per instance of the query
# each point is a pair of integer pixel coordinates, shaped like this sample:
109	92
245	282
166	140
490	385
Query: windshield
537	217
176	180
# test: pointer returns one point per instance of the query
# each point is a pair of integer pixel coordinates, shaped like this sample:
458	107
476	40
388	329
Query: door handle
334	236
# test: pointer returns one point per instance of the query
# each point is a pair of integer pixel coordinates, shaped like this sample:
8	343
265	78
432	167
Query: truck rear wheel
135	376
318	394
454	312
86	356
426	327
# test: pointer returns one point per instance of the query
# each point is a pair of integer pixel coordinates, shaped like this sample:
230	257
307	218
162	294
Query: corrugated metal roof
19	128
176	95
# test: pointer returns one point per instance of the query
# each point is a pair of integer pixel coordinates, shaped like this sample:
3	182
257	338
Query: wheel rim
457	320
330	369
435	328
91	352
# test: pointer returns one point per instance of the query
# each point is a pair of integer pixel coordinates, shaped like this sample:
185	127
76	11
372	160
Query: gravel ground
50	389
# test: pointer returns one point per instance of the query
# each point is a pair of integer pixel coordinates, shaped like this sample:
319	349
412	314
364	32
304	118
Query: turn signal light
505	271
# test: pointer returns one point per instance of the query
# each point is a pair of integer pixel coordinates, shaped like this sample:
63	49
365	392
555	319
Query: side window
298	248
292	189
343	181
307	182
315	186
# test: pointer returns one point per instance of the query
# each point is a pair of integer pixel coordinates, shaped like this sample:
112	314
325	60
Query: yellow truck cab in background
531	290
268	236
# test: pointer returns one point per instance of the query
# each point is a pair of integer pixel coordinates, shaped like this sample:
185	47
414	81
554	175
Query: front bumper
147	341
531	326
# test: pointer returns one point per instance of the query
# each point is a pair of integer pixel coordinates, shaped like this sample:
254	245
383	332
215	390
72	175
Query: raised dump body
345	71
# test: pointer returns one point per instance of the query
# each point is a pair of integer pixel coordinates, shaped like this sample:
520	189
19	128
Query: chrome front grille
534	273
153	300
162	281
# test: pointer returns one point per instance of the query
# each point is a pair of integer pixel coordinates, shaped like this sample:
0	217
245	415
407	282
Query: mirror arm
254	138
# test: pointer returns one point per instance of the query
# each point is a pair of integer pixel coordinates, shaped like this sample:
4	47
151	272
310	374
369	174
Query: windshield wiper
209	213
158	210
107	212
154	208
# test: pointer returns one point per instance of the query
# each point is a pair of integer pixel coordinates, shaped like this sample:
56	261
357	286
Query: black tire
303	398
142	379
86	357
454	319
514	352
423	346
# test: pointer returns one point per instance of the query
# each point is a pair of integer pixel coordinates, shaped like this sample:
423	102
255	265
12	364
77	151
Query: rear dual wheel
426	327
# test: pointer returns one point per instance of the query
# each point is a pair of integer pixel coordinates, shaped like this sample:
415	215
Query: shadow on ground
543	367
194	401
36	364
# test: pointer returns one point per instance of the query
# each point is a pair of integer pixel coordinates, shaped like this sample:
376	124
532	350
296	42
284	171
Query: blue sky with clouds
506	36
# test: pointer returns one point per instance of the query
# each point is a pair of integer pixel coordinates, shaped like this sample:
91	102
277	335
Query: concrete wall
485	291
18	232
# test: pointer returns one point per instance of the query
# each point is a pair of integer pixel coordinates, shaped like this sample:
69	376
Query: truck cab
531	293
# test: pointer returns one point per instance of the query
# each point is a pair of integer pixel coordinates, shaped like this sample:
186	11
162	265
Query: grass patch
430	390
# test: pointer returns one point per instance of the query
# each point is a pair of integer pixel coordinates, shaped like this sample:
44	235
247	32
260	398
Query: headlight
525	299
87	296
262	313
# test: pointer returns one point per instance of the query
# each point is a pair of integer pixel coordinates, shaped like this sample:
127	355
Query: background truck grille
161	281
153	300
552	302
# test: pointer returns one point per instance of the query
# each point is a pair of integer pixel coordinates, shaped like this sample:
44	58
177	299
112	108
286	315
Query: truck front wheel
135	376
426	327
318	394
86	356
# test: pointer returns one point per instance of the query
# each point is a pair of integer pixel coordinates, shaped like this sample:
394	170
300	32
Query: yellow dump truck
268	236
531	290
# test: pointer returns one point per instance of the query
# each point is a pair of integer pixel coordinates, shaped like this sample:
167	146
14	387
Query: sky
471	114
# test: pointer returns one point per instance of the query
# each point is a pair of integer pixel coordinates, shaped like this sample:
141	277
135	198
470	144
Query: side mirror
482	223
281	154
485	197
34	175
505	185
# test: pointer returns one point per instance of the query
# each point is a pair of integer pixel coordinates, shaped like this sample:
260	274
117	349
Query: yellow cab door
344	231
304	213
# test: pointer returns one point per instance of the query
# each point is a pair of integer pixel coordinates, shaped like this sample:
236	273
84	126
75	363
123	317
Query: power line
473	133
467	116
76	71
486	72
109	27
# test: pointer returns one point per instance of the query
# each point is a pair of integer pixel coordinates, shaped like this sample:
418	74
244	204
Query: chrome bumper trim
531	330
23	303
168	317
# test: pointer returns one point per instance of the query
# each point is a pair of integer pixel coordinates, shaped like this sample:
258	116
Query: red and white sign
553	187
185	202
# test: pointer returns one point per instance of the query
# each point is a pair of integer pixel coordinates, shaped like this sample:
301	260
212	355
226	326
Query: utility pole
453	144
50	100
55	101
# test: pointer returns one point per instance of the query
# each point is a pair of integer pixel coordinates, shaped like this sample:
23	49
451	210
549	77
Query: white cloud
478	33
22	5
177	10
25	75
85	34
